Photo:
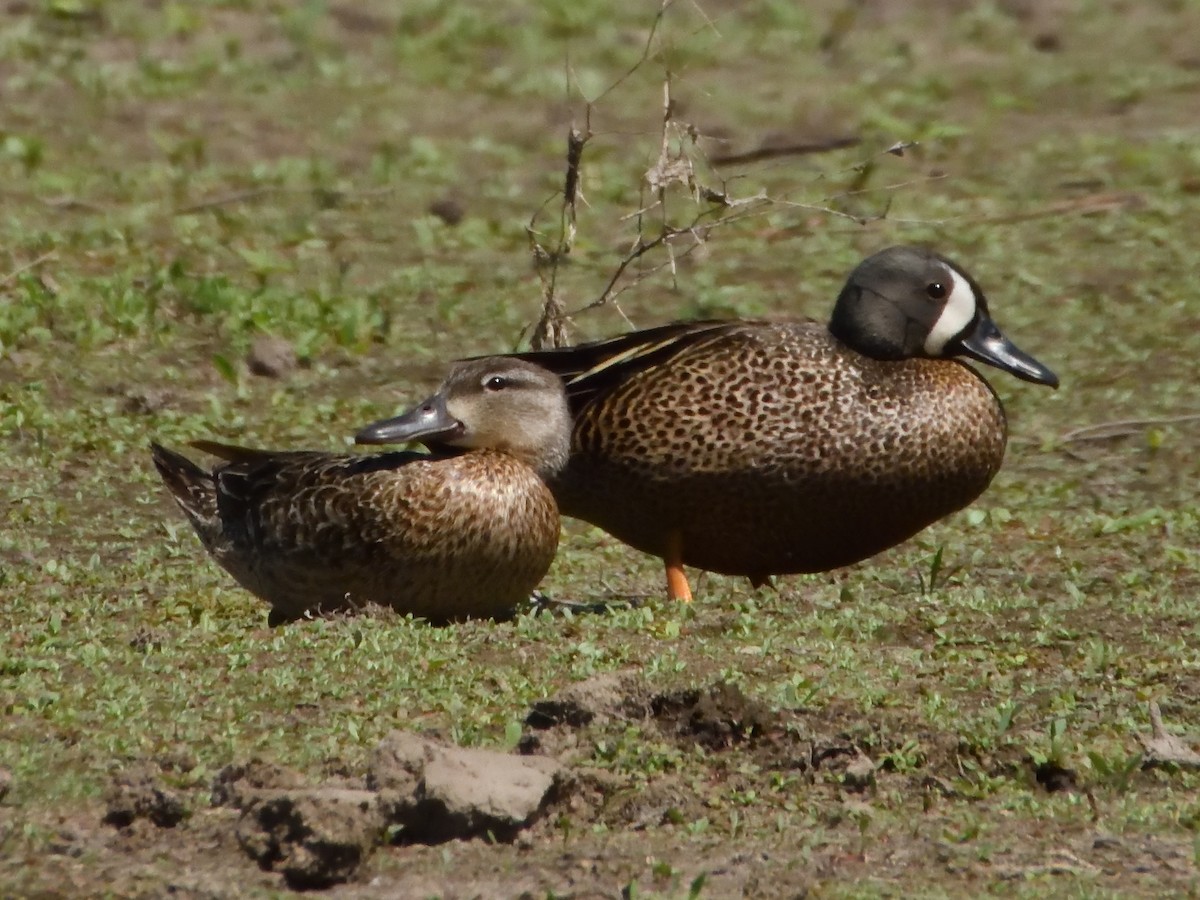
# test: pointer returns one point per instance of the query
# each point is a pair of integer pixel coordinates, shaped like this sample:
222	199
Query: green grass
177	180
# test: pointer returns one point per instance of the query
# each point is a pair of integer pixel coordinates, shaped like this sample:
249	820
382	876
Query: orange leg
677	583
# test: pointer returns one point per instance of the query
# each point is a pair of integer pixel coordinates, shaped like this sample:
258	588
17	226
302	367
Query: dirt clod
316	837
1054	777
449	209
594	700
238	784
1047	42
859	775
147	400
271	357
717	717
135	794
437	792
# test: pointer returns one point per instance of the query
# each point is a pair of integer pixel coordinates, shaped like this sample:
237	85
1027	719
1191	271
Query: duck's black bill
986	344
428	422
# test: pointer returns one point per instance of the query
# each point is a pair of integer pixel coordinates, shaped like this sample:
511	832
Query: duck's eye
936	290
496	383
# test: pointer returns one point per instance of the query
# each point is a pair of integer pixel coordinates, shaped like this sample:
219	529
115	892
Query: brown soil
264	827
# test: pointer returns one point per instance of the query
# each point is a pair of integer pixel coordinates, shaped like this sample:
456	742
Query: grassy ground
178	179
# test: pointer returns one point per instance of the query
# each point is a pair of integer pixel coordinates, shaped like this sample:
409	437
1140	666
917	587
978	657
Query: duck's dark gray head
495	402
905	302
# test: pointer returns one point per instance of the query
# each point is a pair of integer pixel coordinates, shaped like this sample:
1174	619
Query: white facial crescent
956	315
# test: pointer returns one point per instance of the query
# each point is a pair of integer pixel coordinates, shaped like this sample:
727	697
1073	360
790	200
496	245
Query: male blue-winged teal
466	532
758	448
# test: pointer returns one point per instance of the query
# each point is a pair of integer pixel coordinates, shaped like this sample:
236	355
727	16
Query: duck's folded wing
596	367
253	485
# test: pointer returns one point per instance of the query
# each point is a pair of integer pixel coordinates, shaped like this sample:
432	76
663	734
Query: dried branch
775	152
648	46
250	194
32	264
1080	206
229	199
74	203
551	328
1107	431
677	210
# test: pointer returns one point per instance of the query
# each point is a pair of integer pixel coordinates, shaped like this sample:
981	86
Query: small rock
271	357
6	780
448	209
438	792
145	401
859	774
1054	777
1047	42
315	838
135	794
1163	748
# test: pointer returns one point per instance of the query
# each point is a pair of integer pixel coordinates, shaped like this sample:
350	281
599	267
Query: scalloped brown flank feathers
465	532
759	447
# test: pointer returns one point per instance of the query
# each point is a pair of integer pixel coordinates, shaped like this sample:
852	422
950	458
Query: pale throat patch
956	316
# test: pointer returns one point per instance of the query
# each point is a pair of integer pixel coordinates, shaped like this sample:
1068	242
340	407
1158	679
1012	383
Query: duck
756	447
466	531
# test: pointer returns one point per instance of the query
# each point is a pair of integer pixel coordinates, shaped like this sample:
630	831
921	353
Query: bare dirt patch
136	794
716	717
553	820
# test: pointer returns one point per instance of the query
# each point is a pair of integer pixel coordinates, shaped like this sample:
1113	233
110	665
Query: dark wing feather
193	488
246	487
231	452
571	362
594	368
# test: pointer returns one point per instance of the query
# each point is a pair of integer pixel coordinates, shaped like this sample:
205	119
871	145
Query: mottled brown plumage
758	448
466	532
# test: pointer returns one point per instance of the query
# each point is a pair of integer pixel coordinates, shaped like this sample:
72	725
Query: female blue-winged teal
466	532
758	448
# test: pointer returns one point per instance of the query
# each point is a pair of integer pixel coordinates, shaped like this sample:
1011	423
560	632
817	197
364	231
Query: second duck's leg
677	583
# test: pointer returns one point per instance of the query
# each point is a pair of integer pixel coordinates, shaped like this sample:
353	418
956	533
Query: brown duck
758	448
466	532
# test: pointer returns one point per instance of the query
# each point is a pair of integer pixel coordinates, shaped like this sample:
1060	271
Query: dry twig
1107	431
551	328
32	264
247	195
660	228
775	152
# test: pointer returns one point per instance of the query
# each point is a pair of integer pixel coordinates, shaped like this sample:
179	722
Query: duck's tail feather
193	489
